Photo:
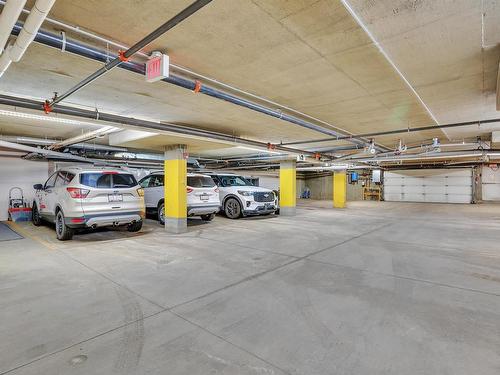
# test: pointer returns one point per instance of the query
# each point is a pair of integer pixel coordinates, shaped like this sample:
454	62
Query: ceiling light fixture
46	118
260	150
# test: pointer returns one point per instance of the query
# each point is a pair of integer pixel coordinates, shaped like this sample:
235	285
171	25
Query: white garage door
431	185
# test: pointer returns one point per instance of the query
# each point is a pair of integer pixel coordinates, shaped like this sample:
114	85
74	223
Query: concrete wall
322	188
490	184
18	172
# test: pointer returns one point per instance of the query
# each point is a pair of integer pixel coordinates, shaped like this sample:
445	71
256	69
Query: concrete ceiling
310	55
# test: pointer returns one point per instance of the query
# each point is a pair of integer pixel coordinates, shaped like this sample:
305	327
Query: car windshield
200	182
105	180
234	181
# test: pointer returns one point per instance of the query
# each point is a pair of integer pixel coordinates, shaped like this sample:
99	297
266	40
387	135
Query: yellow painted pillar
175	189
288	187
339	189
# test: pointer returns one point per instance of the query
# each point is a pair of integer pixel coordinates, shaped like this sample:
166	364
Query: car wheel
35	216
232	208
161	213
208	217
63	233
135	227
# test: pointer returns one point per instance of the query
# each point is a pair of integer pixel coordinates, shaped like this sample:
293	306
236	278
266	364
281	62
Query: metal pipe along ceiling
80	49
400	131
172	128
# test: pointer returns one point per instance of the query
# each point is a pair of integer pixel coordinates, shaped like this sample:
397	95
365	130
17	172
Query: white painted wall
490	184
18	172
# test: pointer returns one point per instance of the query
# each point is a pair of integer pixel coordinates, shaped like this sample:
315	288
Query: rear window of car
108	180
200	181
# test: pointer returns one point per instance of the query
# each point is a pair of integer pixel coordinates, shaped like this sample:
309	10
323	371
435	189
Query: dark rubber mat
7	234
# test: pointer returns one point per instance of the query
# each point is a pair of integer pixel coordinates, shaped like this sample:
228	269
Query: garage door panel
393	189
459	180
393	182
435	189
434	185
413	198
463	190
393	197
434	181
414	189
435	198
491	192
413	181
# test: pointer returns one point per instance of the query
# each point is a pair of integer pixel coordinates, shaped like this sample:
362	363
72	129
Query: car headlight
245	193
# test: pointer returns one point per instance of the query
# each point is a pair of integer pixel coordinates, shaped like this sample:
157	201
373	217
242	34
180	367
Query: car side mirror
38	187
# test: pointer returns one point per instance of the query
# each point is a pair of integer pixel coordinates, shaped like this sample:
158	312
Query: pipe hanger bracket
122	57
47	108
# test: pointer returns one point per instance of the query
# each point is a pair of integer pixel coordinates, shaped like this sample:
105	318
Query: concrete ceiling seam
389	60
124	56
57	41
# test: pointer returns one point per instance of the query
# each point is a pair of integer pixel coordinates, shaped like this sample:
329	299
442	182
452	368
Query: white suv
238	197
75	198
202	195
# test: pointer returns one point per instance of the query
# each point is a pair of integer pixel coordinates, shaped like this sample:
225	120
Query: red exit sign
157	67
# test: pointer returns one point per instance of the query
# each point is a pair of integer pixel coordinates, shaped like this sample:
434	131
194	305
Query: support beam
288	187
339	189
175	169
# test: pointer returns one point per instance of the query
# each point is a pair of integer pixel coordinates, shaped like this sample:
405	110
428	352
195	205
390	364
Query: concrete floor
378	288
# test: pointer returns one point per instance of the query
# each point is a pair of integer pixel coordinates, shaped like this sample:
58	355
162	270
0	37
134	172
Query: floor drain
78	359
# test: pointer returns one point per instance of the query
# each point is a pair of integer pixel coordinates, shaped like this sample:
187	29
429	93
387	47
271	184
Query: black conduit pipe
80	49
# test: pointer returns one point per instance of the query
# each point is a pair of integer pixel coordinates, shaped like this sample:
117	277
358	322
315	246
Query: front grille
263	197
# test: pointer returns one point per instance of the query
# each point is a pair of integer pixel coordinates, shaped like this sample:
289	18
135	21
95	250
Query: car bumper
260	210
203	210
103	220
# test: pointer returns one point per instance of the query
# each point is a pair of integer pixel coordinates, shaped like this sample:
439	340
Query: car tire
161	213
208	217
35	216
232	208
63	232
135	227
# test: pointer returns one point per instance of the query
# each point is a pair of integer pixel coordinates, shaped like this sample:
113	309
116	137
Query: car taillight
189	189
77	192
216	189
140	192
109	172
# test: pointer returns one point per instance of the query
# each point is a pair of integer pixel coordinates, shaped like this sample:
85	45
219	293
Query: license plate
204	197
115	198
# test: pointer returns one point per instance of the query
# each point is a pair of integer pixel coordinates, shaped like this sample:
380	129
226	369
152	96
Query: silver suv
75	198
202	195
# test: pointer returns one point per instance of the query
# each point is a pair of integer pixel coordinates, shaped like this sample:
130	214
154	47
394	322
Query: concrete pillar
339	189
288	187
175	189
